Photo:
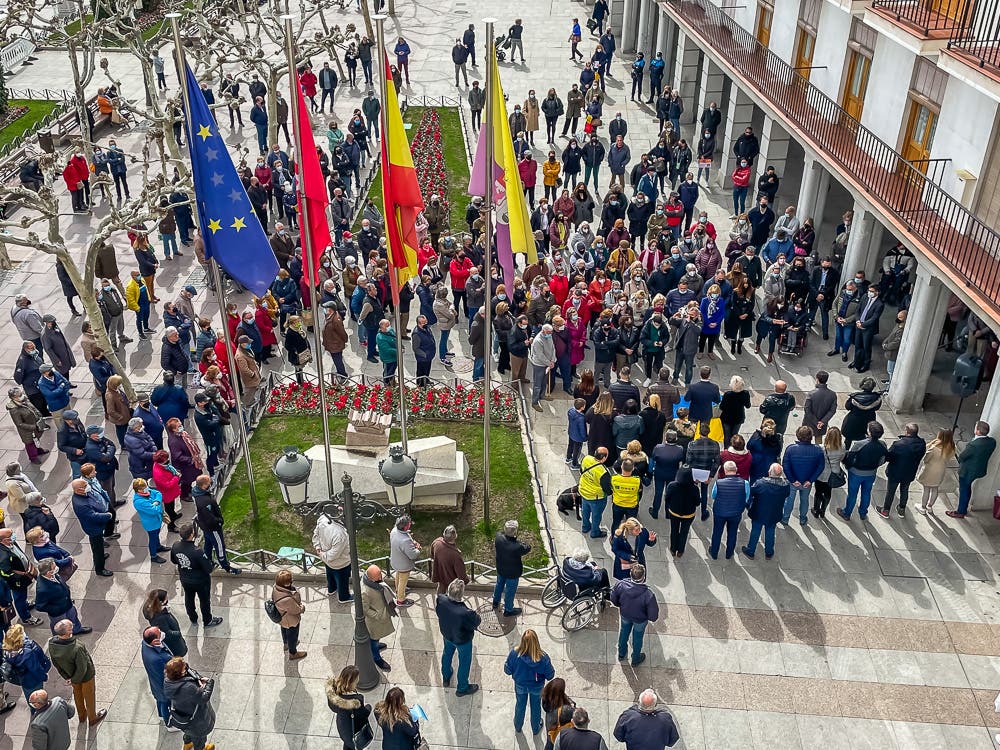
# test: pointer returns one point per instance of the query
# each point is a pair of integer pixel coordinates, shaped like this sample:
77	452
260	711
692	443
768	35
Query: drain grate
492	625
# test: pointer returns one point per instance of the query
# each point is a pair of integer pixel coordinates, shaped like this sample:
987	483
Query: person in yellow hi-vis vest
625	491
594	488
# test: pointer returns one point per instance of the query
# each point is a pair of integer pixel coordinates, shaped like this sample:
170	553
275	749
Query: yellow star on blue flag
235	238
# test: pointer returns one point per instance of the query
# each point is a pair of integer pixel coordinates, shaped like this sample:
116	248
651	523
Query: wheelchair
786	344
585	605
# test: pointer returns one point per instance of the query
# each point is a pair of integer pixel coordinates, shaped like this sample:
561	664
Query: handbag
363	737
305	357
837	479
419	743
8	673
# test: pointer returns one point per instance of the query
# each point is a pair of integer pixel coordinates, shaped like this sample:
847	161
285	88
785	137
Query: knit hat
70	414
94	430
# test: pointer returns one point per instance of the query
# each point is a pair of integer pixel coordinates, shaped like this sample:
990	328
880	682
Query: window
765	14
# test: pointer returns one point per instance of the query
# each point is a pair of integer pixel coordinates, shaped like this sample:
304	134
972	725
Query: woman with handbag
344	699
288	601
558	708
530	667
833	473
297	346
932	470
190	698
399	730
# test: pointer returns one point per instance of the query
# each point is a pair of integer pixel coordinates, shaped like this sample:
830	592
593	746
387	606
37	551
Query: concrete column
737	117
710	88
686	75
813	190
774	141
863	243
625	35
646	10
662	27
916	351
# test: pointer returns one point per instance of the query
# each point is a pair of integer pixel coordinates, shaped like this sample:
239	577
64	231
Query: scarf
388	595
192	447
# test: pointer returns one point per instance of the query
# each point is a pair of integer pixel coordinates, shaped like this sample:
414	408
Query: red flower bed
428	159
444	402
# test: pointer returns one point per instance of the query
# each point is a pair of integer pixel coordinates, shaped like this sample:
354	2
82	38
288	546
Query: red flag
312	188
400	191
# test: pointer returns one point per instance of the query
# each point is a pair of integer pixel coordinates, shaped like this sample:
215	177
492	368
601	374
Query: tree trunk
368	25
81	103
5	262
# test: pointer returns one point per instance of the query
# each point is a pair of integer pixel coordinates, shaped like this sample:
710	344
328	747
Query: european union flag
231	230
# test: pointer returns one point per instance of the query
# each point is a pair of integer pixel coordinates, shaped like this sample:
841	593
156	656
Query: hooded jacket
529	674
191	704
351	710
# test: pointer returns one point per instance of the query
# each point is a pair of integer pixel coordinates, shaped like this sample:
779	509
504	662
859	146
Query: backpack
272	611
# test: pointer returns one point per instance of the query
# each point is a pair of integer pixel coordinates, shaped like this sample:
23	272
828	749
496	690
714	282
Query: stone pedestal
442	471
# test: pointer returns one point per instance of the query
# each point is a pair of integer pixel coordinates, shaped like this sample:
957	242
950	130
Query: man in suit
972	464
866	326
702	396
820	406
823	284
902	465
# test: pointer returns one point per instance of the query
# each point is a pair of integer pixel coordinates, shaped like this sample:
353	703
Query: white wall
784	29
888	84
963	133
831	50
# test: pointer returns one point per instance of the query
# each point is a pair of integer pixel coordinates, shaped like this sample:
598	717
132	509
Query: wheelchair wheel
579	614
552	595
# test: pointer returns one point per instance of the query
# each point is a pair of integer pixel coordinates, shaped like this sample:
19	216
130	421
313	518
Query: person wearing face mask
593	155
542	356
774	283
741	185
780	244
531	110
572	156
761	220
706	153
752	266
866	327
797	282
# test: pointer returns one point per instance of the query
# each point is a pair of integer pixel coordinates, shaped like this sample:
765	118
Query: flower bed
428	159
459	402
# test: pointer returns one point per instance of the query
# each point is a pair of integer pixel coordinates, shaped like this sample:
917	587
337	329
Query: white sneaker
173	729
646	382
922	511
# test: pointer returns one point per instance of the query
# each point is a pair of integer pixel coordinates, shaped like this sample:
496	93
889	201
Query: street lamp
398	473
292	472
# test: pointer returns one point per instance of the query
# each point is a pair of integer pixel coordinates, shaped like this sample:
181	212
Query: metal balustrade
979	38
929	16
937	223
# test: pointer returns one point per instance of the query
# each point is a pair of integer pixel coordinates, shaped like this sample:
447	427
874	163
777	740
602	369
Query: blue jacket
730	496
529	675
423	344
803	462
701	396
52	597
152	420
577	425
154	659
116	161
717	318
210	426
426	296
92	512
635	602
150	509
458	621
170	401
767	500
103	454
101	370
646	729
665	460
624	552
774	247
31	664
141	448
51	549
55	391
688	193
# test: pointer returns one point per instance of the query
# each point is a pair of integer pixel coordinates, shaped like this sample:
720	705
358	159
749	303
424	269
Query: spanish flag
400	192
512	221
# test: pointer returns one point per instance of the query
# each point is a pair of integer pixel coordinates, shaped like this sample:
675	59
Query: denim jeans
687	362
635	629
755	529
739	200
443	345
592	510
376	651
964	495
538	382
478	368
339	581
803	495
522	696
464	661
508	587
855	483
845	337
154	542
169	244
75	467
163	710
731	525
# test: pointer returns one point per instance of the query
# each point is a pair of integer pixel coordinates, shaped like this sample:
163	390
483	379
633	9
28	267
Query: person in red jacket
459	270
309	81
528	169
262	317
559	285
673	210
75	180
741	185
83	170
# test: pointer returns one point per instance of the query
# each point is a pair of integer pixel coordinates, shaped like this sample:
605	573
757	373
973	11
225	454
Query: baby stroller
501	43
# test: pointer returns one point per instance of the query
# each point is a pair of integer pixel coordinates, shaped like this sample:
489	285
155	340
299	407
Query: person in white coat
333	547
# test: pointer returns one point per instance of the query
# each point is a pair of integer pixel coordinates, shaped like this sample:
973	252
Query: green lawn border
26	124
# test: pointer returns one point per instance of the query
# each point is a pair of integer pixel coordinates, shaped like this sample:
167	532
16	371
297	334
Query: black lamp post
292	472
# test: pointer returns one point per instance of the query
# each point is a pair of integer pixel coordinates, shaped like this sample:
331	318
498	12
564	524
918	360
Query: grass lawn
278	526
109	40
38	110
453	145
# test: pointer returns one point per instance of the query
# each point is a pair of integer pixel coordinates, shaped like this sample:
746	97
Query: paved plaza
879	635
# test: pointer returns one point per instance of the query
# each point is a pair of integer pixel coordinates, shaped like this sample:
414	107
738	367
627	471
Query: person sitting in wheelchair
798	324
580	569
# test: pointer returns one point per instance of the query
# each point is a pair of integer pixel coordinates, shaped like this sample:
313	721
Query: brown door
856	84
765	14
919	135
953	9
804	48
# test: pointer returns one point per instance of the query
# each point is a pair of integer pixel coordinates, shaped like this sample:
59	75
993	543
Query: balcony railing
937	223
979	39
939	18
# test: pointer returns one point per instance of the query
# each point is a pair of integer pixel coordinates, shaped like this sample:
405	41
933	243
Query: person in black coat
195	572
823	285
458	623
862	408
510	552
866	326
902	465
344	699
209	423
682	498
158	614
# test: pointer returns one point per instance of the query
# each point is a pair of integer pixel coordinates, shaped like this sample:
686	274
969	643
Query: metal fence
937	222
926	15
980	37
51	95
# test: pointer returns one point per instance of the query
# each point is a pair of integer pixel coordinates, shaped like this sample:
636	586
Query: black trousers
97	549
477	119
203	591
290	637
890	492
569	126
423	373
821	496
550	129
679	528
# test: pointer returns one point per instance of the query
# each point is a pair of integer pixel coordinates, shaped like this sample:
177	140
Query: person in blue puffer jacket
730	496
531	668
140	447
149	506
27	659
